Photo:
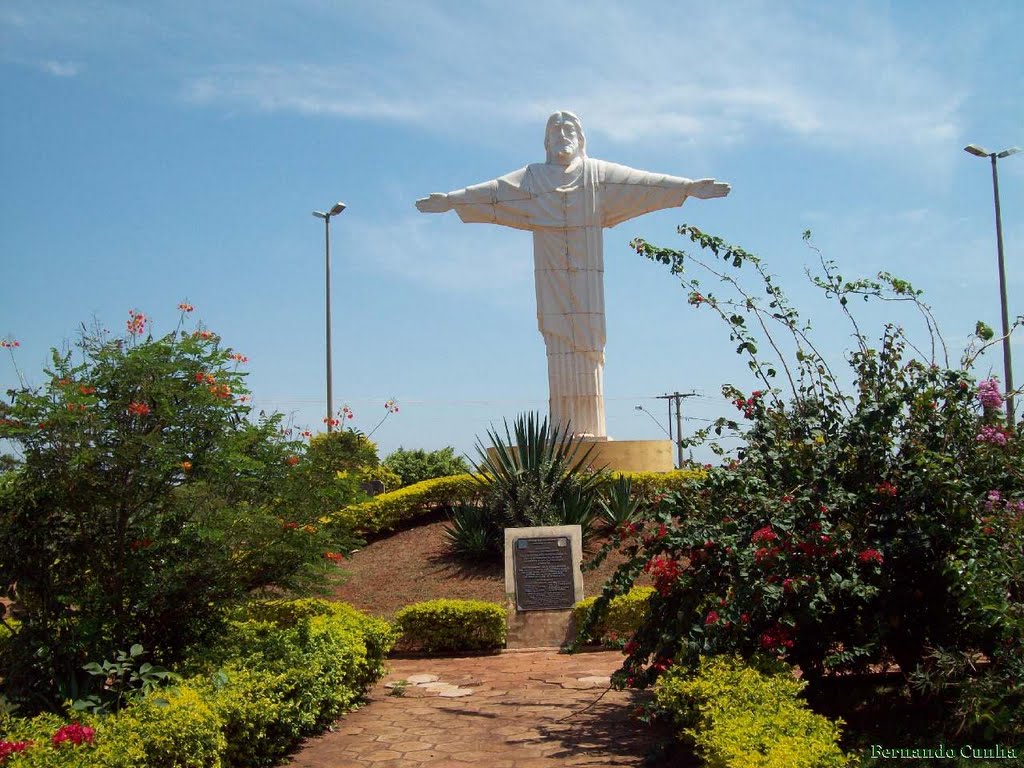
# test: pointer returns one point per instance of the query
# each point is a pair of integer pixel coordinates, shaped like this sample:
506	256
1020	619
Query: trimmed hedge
650	483
624	615
390	510
740	717
283	670
452	625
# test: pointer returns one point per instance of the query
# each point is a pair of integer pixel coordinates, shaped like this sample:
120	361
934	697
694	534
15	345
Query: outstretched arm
437	203
705	189
502	201
627	192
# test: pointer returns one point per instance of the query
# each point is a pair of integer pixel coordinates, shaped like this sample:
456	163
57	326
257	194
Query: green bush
143	501
623	616
415	466
452	625
857	523
740	717
173	729
391	510
284	670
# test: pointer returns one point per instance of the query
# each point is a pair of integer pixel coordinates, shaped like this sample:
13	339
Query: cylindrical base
625	455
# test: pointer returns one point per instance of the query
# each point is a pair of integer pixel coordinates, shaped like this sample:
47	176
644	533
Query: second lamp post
338	208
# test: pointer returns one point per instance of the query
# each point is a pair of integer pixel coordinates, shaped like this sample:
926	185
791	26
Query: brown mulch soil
414	565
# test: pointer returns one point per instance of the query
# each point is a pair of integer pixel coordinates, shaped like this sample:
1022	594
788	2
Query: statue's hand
705	189
436	203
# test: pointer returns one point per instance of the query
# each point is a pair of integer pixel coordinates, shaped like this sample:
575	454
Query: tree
144	500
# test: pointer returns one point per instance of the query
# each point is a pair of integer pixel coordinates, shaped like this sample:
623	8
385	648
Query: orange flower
138	409
186	465
185	307
291	461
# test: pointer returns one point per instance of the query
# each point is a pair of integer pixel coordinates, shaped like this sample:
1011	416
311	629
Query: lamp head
338	208
1008	152
977	151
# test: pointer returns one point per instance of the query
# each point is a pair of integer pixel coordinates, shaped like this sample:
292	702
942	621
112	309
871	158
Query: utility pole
676	397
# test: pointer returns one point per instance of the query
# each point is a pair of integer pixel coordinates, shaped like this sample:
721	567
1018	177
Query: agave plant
618	504
538	475
470	534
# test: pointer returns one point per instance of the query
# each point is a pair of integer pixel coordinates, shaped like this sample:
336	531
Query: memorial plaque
543	573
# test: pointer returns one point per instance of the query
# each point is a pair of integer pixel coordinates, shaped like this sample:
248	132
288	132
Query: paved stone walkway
525	709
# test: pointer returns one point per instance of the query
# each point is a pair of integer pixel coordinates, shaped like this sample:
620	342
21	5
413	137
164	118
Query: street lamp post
338	208
977	151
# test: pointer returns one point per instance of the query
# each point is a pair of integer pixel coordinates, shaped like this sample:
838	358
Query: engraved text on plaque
543	573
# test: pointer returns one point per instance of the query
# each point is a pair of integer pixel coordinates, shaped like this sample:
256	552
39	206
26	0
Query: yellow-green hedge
739	717
623	618
390	510
284	670
650	483
452	625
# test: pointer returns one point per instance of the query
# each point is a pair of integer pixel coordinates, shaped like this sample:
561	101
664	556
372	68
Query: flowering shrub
142	501
849	529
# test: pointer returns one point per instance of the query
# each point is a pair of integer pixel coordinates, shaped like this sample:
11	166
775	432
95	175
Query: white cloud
709	74
60	68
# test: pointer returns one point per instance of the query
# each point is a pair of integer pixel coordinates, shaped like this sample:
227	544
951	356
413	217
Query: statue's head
564	139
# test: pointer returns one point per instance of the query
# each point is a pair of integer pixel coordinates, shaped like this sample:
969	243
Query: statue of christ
566	202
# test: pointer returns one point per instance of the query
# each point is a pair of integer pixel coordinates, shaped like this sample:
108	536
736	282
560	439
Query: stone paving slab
524	709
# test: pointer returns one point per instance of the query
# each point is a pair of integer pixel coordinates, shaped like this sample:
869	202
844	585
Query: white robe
566	209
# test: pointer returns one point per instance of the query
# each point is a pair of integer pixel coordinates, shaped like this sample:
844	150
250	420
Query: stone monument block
542	583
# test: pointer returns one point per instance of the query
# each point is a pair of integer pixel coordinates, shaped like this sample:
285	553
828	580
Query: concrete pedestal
626	455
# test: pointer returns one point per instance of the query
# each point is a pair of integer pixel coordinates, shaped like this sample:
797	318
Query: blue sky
166	151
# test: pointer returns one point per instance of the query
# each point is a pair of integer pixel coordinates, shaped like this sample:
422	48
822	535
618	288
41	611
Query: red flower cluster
205	378
8	748
205	335
711	618
661	664
886	489
870	556
87	390
138	409
346	412
334	557
748	405
12	344
141	544
332	422
767	554
239	357
305	433
185	307
76	733
776	638
764	535
664	570
291	461
136	323
391	406
290	526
